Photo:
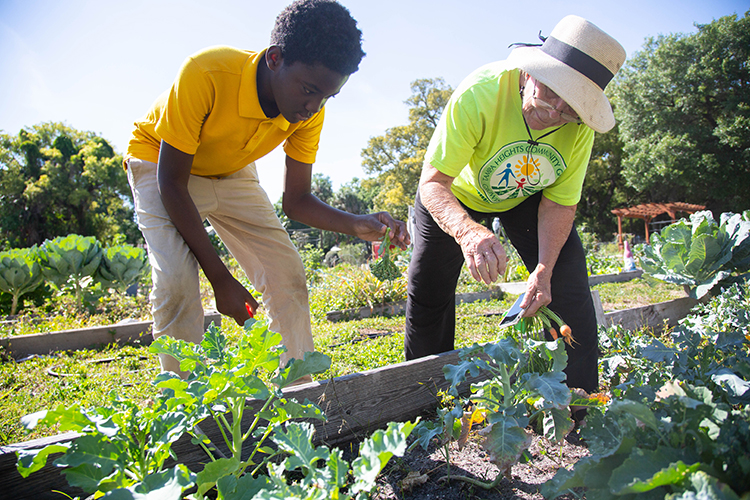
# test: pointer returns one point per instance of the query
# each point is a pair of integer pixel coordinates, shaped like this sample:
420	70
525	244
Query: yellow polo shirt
212	111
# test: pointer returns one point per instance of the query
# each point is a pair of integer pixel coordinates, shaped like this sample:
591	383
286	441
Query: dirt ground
525	482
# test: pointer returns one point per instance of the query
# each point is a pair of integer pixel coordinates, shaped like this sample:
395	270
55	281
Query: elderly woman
514	142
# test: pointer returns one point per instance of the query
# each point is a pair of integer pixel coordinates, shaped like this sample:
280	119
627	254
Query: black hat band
578	60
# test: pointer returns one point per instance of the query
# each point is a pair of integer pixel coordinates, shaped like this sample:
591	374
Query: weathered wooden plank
615	277
652	316
85	338
598	308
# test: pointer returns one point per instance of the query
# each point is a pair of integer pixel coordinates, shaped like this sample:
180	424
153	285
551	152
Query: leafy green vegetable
524	383
122	265
700	254
123	449
71	261
383	268
20	273
678	425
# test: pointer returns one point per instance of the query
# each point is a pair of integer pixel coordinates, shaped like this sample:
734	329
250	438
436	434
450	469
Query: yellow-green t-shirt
482	142
212	111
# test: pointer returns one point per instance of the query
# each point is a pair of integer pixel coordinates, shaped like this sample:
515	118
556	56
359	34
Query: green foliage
515	392
679	425
70	262
123	448
352	253
382	267
396	157
701	254
20	273
606	188
55	180
348	287
122	265
683	112
312	259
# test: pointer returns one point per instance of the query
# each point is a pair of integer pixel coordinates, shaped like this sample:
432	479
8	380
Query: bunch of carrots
546	318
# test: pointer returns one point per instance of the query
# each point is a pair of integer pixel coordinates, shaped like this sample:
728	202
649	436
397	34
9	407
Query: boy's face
301	90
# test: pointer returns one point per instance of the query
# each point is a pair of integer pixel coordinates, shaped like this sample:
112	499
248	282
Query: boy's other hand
232	299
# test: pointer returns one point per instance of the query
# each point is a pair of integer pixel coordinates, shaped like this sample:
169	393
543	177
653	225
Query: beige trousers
243	217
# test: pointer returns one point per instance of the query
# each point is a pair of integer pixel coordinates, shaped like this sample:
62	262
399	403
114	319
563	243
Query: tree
396	157
605	187
55	180
683	104
351	197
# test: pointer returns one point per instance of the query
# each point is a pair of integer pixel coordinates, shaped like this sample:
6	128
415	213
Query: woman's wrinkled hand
484	255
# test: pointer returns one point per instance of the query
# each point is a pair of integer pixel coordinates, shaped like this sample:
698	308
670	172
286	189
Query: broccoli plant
123	448
383	267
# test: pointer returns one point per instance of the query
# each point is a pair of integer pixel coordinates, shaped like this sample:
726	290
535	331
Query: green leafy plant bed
123	450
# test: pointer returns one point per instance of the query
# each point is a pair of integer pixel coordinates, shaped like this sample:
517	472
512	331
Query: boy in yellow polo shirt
191	158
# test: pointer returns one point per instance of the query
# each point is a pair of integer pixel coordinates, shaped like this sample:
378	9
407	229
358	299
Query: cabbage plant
701	254
122	266
20	273
71	261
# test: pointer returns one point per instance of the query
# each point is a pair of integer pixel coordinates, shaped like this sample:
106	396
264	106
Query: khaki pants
243	217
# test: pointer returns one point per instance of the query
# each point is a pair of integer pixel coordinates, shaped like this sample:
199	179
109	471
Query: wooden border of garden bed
21	346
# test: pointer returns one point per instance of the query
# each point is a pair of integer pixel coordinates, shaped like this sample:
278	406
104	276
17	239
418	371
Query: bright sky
97	65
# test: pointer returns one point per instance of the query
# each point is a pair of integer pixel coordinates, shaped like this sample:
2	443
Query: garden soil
525	481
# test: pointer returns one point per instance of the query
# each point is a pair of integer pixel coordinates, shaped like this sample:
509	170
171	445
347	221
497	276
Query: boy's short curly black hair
319	32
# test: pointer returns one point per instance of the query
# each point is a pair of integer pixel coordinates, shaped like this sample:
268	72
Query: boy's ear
274	57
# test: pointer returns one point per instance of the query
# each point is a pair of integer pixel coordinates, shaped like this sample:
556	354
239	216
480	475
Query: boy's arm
173	174
301	205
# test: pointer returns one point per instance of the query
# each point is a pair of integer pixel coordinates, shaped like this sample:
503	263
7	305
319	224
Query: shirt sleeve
303	144
187	104
456	135
566	190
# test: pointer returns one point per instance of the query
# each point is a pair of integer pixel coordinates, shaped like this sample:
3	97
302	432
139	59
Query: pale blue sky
98	64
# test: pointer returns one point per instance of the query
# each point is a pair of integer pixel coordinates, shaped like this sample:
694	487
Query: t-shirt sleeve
566	190
456	135
303	144
187	104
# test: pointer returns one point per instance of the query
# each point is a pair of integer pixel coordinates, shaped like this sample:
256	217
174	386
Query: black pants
436	264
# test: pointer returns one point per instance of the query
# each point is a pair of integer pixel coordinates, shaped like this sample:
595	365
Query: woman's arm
483	252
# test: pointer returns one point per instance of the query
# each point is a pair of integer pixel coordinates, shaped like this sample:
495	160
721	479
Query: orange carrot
553	332
567	334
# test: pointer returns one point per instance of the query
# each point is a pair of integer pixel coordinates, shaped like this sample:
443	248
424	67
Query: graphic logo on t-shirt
519	169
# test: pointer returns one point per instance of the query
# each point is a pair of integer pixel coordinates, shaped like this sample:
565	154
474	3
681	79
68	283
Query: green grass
636	293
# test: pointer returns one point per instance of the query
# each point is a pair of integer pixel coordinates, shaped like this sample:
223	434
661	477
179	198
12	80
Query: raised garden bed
22	346
355	405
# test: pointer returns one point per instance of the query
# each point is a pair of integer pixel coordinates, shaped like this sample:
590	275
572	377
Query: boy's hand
233	300
372	227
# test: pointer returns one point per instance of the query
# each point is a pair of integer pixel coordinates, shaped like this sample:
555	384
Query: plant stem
478	482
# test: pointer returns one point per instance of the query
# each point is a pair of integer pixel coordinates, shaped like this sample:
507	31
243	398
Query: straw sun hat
576	61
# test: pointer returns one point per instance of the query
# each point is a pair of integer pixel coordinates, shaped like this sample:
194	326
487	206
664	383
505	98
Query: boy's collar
249	103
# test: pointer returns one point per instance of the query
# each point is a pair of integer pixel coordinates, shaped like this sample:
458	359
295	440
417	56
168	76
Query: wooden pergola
648	211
